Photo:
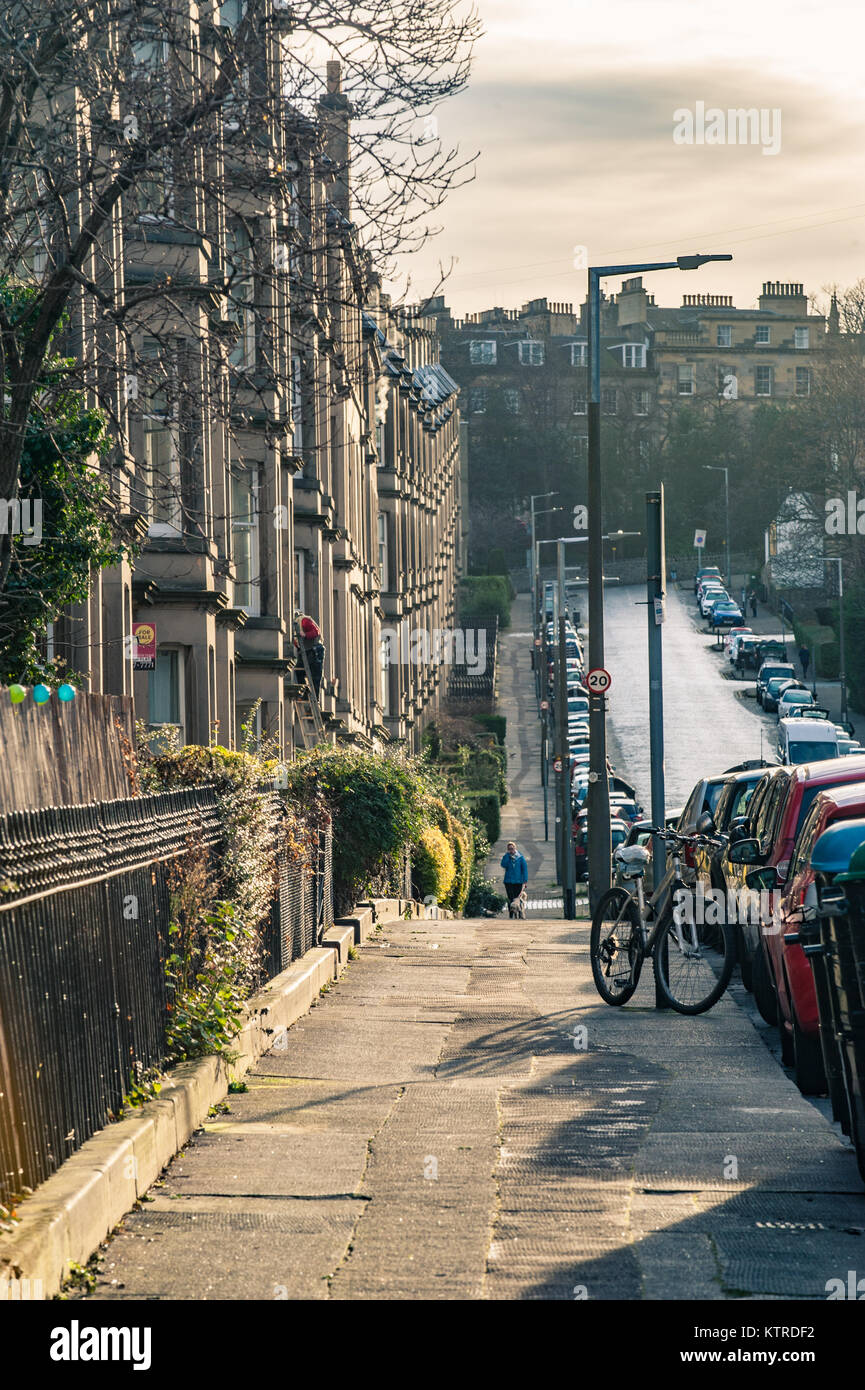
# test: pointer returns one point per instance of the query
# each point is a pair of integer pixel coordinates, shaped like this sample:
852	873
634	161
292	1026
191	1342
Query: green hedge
486	596
496	723
486	805
829	660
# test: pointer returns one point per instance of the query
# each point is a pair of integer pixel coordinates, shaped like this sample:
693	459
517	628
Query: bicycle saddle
633	854
633	858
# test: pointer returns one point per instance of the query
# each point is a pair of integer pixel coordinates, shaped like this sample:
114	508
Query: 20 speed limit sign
598	680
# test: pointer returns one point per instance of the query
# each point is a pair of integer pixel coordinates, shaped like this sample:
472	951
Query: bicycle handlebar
693	839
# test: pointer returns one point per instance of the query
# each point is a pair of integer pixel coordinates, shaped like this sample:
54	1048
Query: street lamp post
564	844
600	853
716	468
836	560
536	497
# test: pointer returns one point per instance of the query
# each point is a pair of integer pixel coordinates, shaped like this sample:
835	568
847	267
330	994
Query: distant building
654	359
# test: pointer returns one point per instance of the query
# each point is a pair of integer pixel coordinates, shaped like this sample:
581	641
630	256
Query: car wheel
808	1062
764	989
746	967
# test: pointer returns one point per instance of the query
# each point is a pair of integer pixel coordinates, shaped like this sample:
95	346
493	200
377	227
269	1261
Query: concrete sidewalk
523	814
461	1117
434	1129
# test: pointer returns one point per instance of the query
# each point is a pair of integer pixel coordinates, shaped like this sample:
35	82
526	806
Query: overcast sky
571	106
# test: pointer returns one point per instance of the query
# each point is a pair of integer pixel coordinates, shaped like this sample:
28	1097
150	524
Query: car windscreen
796	697
810	751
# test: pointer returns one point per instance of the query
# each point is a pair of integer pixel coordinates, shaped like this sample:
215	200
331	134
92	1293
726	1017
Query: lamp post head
694	262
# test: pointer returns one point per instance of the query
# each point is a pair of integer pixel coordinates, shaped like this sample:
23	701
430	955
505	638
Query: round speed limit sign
598	680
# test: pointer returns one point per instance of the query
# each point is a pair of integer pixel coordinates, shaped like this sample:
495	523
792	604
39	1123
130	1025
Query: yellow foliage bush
433	864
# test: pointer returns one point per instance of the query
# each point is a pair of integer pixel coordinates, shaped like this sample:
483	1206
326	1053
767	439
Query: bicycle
626	929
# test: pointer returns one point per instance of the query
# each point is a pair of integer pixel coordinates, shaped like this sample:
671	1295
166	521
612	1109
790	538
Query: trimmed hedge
486	805
496	723
485	596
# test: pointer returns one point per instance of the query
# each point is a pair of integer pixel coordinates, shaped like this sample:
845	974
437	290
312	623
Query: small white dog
518	906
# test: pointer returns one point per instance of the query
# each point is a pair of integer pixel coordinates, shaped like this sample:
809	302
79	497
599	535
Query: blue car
725	613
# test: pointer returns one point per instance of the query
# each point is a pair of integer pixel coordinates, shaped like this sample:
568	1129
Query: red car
840	782
791	969
580	832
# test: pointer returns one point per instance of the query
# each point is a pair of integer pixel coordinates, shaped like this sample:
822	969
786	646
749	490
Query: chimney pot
334	77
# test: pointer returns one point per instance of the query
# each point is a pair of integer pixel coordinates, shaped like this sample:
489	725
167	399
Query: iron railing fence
302	908
84	916
84	911
475	677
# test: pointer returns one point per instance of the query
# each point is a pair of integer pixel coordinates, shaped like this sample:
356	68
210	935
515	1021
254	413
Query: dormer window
579	354
482	352
633	354
531	354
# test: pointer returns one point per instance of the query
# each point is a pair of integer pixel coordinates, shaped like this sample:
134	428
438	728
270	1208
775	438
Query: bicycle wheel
693	973
616	946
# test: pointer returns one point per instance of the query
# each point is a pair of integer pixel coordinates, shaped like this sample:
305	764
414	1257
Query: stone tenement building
654	359
287	441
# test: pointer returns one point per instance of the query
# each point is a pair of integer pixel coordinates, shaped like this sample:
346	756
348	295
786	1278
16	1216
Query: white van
803	740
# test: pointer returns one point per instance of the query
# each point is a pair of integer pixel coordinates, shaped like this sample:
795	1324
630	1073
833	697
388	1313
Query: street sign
557	764
598	680
699	539
545	704
659	610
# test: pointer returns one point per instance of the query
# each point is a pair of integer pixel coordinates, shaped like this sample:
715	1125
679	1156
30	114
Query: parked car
731	634
794	981
640	833
726	612
708	597
803	740
703	798
625	807
705	572
731	807
731	875
773	834
790	696
578	704
773	670
580	832
838	963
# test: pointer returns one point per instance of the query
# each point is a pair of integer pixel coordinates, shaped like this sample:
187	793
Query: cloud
589	158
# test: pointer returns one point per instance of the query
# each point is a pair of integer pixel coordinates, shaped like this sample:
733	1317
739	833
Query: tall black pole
600	840
569	867
655	594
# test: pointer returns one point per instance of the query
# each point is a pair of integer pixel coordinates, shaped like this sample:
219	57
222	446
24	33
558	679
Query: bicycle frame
646	905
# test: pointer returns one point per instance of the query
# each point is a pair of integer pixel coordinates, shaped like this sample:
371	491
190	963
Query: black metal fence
84	908
84	915
302	908
475	677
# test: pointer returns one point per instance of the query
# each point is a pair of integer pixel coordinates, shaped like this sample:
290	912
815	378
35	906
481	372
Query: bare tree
138	141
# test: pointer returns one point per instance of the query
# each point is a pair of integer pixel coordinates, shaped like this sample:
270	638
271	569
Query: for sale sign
143	646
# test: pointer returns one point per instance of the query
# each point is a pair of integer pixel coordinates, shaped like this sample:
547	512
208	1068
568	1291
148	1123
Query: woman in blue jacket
516	872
